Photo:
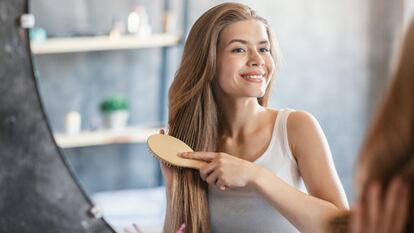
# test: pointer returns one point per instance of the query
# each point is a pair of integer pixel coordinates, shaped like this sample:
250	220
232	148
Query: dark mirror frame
38	191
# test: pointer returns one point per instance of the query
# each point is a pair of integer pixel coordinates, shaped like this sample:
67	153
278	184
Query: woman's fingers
207	170
356	218
395	206
391	201
373	206
204	156
401	215
221	184
215	179
382	215
212	178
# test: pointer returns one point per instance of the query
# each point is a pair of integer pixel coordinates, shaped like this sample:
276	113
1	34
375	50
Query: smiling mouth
257	78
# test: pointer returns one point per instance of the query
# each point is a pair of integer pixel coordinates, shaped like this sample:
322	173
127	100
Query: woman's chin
257	93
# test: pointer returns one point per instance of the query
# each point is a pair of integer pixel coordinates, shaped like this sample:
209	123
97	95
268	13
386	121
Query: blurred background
103	70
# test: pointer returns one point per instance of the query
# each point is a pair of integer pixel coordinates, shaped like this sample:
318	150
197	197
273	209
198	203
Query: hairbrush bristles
159	159
165	148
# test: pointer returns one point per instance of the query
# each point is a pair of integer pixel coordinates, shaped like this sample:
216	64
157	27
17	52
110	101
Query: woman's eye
264	50
238	50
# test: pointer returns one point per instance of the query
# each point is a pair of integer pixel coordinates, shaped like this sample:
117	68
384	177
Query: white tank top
244	210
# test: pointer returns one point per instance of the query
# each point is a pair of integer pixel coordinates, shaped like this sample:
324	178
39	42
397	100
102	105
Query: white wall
408	10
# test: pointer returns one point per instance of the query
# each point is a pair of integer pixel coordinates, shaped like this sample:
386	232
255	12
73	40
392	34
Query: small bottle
73	123
133	22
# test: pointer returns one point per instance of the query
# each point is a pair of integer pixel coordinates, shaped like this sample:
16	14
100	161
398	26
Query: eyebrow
245	41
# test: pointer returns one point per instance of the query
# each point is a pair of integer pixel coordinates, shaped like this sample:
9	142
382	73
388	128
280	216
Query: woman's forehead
252	31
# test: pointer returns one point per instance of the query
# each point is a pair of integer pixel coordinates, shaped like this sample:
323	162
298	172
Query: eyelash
266	50
239	50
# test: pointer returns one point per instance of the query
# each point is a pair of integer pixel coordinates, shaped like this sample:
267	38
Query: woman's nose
256	59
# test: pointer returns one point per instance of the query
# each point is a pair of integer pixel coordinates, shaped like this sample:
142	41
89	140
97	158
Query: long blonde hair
389	146
194	113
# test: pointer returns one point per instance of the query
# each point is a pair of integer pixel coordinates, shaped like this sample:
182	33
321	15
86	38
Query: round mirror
103	69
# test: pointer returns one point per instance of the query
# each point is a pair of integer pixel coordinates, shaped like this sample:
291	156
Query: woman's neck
240	116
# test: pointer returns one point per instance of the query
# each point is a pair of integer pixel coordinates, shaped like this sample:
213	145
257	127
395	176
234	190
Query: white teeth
249	76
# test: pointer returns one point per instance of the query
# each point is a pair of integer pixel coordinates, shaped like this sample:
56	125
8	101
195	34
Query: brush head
165	148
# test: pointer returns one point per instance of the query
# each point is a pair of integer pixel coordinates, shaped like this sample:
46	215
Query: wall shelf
100	43
132	134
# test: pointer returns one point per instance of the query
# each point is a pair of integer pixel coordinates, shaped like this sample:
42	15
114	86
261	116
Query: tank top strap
283	132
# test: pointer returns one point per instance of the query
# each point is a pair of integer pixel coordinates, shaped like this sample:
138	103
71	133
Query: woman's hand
382	214
166	171
224	170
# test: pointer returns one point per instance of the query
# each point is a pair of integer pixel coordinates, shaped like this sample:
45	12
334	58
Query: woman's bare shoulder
300	120
297	119
302	128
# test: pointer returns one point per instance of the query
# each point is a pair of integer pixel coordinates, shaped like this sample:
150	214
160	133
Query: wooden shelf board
101	43
105	137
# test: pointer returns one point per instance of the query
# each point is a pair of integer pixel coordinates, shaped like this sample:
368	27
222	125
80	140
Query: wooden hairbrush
165	148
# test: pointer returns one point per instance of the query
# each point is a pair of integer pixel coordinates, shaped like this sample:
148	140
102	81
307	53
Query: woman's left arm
311	151
309	213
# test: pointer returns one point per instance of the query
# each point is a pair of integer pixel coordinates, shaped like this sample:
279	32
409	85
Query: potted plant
115	110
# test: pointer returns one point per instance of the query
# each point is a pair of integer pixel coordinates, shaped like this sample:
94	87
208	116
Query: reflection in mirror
98	67
102	69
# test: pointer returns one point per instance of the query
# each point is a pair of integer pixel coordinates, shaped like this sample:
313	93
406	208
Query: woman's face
244	63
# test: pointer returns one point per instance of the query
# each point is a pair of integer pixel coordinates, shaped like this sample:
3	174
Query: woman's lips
255	78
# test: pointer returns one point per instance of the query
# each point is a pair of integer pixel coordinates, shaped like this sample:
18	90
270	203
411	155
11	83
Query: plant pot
116	119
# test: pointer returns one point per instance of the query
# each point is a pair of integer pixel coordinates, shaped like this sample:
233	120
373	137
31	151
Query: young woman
270	170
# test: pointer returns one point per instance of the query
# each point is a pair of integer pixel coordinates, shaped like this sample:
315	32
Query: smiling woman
258	157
